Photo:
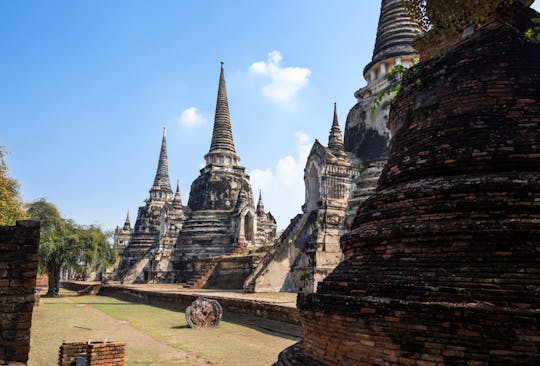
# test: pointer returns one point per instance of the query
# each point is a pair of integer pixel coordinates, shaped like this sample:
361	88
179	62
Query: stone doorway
248	227
313	189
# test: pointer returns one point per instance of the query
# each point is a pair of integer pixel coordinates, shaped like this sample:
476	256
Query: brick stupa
443	263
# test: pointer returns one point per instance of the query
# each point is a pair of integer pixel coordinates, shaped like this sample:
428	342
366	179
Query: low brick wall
180	301
97	353
18	267
419	333
69	352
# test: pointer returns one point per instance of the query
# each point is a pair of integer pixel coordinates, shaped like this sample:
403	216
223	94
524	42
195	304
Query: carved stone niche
204	313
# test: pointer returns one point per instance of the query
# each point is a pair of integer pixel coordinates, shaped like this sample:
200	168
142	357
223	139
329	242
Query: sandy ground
154	336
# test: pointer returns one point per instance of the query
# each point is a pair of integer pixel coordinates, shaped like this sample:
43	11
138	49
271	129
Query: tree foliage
534	31
11	206
445	20
65	245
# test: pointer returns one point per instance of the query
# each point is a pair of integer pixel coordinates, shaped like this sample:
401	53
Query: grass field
155	336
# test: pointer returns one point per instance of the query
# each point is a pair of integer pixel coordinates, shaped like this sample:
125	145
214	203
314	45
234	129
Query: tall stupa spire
222	138
335	139
161	180
395	33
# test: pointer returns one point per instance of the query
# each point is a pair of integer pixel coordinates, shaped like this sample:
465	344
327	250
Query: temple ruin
174	243
442	266
338	178
308	250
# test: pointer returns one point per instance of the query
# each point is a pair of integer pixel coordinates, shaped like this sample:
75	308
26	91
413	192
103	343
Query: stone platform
272	306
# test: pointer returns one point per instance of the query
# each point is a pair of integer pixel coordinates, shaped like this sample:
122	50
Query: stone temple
175	243
338	178
442	265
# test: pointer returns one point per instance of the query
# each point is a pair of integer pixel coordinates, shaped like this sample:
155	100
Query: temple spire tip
222	139
335	140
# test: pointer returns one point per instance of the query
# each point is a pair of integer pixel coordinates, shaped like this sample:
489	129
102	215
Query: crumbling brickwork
69	352
442	266
18	268
96	353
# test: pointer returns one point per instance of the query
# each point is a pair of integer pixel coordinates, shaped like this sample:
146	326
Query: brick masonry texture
442	265
97	353
18	268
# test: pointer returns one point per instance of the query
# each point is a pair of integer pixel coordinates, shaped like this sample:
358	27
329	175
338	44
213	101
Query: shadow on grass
78	327
180	327
108	303
267	326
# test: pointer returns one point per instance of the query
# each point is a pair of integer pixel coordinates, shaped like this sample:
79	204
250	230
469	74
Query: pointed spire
161	181
222	138
335	140
127	224
260	205
177	198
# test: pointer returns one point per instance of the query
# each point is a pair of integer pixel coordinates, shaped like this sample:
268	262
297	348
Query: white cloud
302	137
285	82
283	186
191	117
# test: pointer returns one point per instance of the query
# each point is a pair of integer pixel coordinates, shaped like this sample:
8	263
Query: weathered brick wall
69	352
443	263
388	331
106	354
97	353
18	267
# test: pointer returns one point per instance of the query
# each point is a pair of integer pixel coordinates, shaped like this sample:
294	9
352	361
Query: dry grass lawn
155	336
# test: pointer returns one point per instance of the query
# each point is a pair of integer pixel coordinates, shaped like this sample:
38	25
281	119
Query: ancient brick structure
95	353
266	224
146	248
220	218
309	248
18	268
366	134
339	178
442	266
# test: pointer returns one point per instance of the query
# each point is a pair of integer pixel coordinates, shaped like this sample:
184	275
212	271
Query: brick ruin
366	135
92	353
442	265
308	249
19	246
338	178
171	242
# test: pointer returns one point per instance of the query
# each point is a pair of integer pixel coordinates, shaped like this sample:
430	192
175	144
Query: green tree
11	206
66	245
445	21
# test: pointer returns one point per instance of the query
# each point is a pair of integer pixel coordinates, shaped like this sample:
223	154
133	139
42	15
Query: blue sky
87	86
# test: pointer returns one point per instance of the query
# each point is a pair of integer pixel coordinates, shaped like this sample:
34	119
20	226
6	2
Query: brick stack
97	353
18	267
69	352
107	354
443	263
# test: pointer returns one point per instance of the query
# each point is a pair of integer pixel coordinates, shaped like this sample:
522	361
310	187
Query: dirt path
125	327
63	319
